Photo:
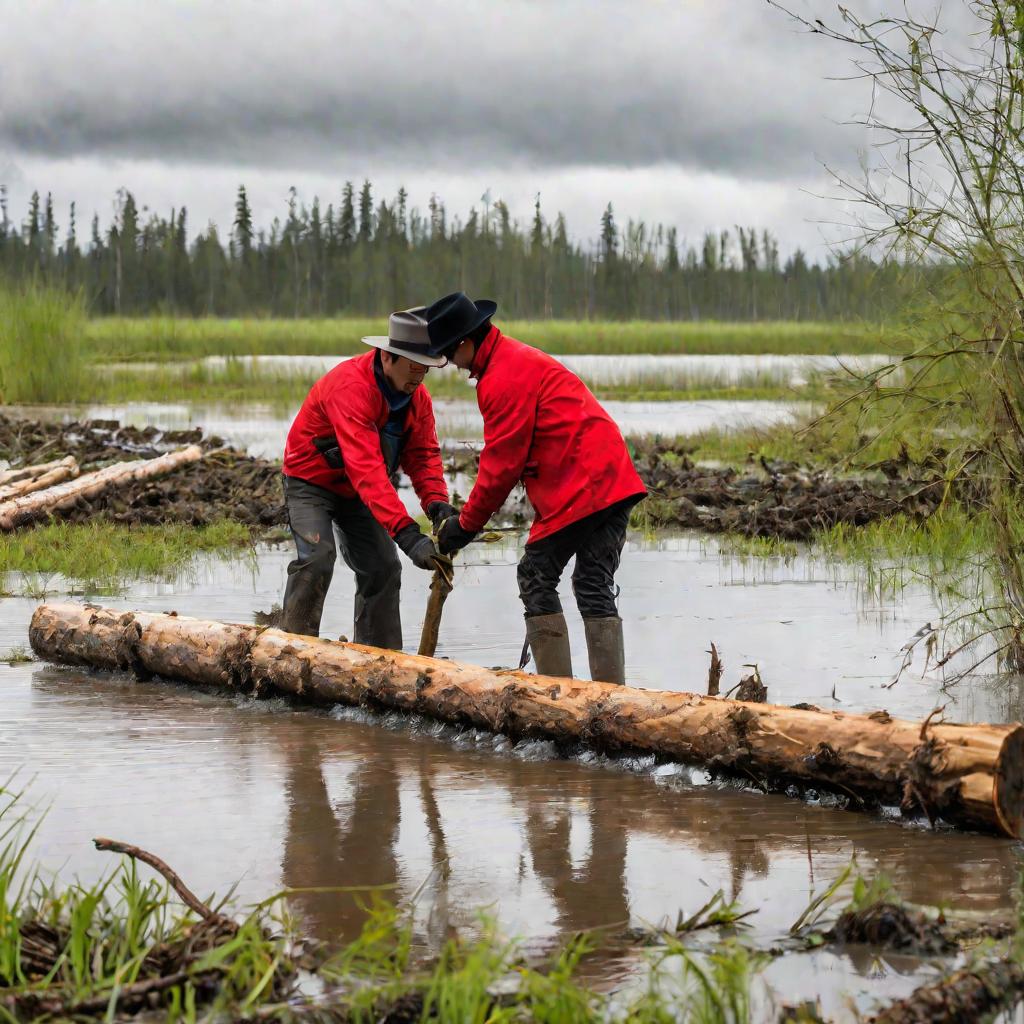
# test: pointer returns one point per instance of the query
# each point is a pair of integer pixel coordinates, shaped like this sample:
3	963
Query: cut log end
1009	785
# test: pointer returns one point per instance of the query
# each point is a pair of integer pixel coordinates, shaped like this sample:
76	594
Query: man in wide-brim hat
360	422
542	426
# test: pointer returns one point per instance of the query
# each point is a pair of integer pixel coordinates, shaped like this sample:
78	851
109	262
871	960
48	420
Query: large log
969	775
38	478
20	511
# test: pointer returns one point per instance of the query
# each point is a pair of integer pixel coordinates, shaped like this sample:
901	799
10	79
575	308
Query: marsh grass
19	655
101	557
42	356
74	950
165	338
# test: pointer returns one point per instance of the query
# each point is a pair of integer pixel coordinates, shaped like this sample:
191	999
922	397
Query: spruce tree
365	212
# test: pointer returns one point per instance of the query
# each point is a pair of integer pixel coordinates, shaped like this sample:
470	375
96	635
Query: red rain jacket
348	403
543	426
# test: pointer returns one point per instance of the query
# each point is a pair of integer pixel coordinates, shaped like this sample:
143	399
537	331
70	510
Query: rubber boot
548	637
604	647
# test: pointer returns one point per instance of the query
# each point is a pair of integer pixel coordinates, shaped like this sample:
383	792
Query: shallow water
270	796
262	429
663	371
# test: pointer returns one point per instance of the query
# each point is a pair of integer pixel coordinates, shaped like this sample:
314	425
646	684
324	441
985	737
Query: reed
42	355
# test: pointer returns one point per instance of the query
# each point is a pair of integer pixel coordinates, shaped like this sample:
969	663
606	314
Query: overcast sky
697	113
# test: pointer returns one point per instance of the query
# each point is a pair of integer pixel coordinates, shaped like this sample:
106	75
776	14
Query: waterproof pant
597	542
316	516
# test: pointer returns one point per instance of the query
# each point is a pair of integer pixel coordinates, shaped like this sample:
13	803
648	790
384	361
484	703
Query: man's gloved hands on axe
419	548
451	537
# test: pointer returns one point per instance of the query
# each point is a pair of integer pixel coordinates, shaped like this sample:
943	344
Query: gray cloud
715	85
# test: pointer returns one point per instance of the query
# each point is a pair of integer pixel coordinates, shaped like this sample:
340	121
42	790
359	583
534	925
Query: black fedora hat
450	319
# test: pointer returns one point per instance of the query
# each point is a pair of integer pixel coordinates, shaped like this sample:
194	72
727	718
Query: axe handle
440	588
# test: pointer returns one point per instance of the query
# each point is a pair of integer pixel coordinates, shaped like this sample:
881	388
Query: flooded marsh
279	796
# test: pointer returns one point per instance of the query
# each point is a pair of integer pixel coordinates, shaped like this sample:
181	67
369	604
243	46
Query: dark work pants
315	516
597	543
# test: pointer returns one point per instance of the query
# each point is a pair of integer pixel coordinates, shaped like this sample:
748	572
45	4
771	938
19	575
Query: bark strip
27	508
969	775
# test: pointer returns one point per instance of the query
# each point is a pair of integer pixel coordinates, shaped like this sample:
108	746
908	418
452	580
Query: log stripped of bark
40	478
20	511
968	775
12	476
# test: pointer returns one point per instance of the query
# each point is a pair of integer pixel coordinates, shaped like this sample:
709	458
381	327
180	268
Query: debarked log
22	510
44	476
971	776
14	476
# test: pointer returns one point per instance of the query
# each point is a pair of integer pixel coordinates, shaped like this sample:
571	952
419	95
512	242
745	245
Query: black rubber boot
548	637
605	650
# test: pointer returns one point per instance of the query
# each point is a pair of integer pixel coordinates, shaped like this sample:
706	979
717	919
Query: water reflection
321	853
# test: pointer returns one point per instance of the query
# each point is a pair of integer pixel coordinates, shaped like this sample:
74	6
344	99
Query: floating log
38	478
19	511
969	775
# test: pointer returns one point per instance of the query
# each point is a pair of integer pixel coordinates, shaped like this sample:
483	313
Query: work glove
451	537
438	512
418	547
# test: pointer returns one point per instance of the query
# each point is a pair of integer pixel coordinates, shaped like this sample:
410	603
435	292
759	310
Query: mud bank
760	500
224	484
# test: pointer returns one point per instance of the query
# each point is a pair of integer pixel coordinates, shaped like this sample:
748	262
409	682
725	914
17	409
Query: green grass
101	557
164	338
42	355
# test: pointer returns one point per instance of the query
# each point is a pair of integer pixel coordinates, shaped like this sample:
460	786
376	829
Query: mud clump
778	500
892	926
224	484
772	499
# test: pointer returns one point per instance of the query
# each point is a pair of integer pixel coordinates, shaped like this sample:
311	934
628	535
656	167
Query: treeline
365	257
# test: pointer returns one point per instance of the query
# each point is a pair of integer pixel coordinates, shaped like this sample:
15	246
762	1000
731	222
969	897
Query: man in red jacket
542	426
359	423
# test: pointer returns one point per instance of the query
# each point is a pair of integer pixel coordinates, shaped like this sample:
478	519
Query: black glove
438	512
451	537
417	546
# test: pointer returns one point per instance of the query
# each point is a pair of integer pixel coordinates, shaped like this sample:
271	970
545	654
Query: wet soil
764	499
225	484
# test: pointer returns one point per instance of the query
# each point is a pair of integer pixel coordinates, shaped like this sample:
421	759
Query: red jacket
348	403
544	427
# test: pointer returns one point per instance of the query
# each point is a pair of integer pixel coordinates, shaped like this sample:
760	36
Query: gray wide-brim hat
408	336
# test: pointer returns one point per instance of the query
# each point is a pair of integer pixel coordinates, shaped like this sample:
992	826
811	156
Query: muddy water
270	796
262	429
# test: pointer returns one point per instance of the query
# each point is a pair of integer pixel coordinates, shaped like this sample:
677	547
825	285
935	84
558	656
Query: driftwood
67	469
10	477
22	510
969	775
